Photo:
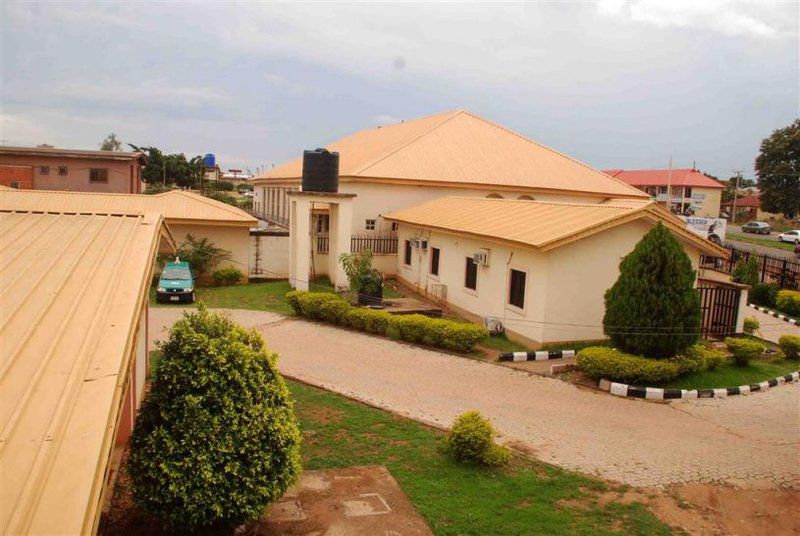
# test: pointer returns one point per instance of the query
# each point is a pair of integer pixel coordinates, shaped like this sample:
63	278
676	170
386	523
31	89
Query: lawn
733	375
528	497
753	239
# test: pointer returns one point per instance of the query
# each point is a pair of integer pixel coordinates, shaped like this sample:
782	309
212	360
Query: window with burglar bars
98	175
516	289
471	275
434	261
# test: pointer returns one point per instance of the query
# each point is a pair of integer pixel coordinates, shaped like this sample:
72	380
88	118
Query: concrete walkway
744	439
772	328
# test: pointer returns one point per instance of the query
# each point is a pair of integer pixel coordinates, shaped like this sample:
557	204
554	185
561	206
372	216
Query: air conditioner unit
481	258
493	324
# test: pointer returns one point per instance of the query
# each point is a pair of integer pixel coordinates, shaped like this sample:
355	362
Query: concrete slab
360	501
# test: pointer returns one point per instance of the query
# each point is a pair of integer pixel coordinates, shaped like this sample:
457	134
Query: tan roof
539	224
460	148
4	187
176	205
71	288
70	153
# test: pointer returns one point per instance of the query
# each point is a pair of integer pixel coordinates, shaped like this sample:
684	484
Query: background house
749	208
48	168
184	212
541	268
692	192
75	357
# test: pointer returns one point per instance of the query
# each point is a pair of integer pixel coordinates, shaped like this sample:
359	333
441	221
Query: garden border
657	393
775	314
541	355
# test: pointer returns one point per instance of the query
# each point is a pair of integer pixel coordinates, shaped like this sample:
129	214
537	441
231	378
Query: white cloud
720	16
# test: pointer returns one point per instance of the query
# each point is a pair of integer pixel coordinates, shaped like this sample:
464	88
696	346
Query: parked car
793	236
176	283
757	227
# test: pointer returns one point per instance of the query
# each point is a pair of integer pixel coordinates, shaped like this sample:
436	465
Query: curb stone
656	393
541	355
773	313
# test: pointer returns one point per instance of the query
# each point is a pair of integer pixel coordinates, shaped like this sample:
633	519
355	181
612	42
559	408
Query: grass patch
752	239
732	375
577	346
267	296
527	497
501	343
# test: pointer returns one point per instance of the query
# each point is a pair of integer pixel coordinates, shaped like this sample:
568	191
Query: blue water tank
209	161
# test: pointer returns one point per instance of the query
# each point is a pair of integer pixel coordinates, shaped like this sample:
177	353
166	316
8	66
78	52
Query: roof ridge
450	115
543	146
556	203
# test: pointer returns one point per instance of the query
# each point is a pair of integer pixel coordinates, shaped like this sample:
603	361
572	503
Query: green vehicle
176	283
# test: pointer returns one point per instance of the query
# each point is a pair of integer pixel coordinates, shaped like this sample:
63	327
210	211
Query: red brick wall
17	174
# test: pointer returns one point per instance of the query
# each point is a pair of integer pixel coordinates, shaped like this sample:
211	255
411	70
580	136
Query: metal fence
783	271
720	309
382	244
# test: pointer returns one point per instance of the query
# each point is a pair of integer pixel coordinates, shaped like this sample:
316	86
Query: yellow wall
711	205
234	239
564	287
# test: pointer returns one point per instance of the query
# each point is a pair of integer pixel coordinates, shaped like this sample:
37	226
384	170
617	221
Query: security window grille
14	184
395	226
98	175
44	170
434	261
62	170
369	225
471	275
516	291
407	253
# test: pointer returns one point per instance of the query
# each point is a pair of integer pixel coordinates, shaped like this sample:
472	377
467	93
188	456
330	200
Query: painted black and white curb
775	314
654	393
541	355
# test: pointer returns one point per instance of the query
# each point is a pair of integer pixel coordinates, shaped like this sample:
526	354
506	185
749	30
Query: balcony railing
380	244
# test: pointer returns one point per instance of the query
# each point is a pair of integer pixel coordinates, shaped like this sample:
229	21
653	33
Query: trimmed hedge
471	441
764	294
751	325
790	346
700	357
744	350
609	363
333	309
227	276
788	301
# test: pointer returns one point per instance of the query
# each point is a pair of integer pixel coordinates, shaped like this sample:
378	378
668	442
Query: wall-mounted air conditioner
493	324
481	258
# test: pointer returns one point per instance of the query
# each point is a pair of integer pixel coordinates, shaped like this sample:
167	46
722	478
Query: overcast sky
616	84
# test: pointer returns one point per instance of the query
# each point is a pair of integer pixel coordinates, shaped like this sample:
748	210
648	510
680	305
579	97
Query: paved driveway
740	439
772	329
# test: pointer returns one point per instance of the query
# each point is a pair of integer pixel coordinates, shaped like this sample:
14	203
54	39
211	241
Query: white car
793	236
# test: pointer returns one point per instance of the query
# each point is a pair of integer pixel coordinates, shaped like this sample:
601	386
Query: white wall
564	287
269	255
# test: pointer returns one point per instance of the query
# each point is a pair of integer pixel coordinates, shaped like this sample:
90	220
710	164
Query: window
471	275
98	175
662	189
369	225
407	253
687	191
395	226
44	170
62	170
14	184
434	261
516	289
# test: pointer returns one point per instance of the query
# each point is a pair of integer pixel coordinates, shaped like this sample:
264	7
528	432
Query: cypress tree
653	309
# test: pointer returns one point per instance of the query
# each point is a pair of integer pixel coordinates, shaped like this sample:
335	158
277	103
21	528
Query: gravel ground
738	440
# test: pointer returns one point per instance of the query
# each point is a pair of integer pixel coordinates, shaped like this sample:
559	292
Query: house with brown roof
50	168
692	192
73	358
185	213
540	268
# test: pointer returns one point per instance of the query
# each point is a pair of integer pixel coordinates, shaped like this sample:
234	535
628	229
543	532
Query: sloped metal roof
660	177
459	147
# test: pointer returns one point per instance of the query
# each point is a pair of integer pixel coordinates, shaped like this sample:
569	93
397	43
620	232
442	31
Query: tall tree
111	143
169	169
778	168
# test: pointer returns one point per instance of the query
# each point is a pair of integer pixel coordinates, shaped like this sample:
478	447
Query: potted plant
365	280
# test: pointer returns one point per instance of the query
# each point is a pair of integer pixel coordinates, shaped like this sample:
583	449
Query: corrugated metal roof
70	153
175	205
71	288
538	224
461	148
660	177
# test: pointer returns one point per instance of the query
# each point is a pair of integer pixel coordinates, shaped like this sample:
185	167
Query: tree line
161	168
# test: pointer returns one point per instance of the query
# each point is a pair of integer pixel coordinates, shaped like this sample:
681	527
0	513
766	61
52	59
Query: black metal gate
720	308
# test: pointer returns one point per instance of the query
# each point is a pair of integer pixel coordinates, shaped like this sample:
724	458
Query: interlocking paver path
745	438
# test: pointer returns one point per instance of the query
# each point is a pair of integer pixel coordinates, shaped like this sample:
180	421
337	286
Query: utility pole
164	171
735	193
669	185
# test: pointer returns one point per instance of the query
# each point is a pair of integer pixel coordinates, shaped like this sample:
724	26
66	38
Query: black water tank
320	171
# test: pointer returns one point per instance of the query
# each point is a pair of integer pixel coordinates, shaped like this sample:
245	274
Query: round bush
227	276
471	440
601	362
751	325
744	350
216	439
788	301
790	346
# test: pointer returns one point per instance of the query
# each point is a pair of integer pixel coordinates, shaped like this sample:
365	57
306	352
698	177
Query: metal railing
380	244
783	271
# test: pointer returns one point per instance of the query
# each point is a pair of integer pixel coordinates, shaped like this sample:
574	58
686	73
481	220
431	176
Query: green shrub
201	254
460	337
227	276
653	308
612	364
751	325
471	440
744	350
764	294
698	358
225	186
216	438
746	271
790	346
788	301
